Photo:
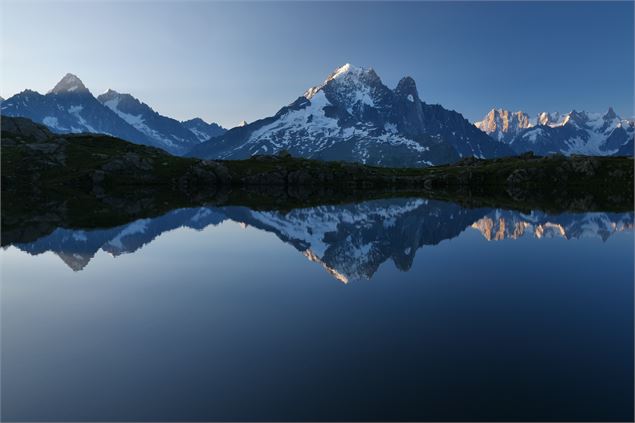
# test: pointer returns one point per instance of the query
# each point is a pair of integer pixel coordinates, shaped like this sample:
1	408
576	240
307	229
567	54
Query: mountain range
353	116
349	241
596	134
71	108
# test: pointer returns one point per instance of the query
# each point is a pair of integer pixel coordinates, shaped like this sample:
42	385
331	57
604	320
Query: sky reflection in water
448	314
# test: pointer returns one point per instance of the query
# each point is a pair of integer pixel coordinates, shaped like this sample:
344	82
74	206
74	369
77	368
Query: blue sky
231	61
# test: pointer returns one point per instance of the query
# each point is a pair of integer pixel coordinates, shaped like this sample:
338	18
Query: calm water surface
405	309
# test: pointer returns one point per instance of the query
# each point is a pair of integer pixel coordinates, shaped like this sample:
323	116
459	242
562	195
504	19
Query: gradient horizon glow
226	62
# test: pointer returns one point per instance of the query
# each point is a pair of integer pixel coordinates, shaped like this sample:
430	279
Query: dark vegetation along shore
89	180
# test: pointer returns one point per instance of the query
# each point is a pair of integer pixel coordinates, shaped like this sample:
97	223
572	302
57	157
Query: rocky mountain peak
195	121
576	118
407	88
548	119
347	70
346	78
69	84
503	124
120	98
610	114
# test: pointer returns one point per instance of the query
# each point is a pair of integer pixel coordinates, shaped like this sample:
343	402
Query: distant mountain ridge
71	108
170	133
203	130
353	116
568	133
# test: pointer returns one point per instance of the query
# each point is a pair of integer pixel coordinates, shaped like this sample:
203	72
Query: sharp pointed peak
349	69
68	84
407	80
610	114
407	87
344	75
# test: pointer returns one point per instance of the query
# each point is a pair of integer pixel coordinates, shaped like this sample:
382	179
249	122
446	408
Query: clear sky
228	61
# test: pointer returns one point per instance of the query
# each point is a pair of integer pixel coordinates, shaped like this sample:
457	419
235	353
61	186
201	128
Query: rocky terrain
576	132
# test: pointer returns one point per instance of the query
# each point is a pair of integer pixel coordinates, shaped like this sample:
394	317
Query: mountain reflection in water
349	241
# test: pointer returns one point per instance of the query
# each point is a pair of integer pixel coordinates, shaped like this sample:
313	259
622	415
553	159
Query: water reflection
349	241
233	324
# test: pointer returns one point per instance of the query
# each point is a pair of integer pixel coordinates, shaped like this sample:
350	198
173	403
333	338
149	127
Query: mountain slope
203	130
353	116
70	108
171	134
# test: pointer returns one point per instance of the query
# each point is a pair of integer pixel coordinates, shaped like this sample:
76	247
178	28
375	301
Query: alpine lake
402	309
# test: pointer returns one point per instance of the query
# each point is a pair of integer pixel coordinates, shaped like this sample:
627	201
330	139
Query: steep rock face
169	133
353	116
203	130
578	133
569	133
503	125
70	108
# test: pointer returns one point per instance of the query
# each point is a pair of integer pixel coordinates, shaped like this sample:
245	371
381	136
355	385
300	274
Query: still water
404	309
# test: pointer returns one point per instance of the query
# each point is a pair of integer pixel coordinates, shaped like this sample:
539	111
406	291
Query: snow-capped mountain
171	134
569	133
353	116
203	130
71	108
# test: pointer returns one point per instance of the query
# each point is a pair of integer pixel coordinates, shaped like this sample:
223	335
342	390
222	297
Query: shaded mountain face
626	149
171	134
349	241
203	130
71	108
571	133
353	116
